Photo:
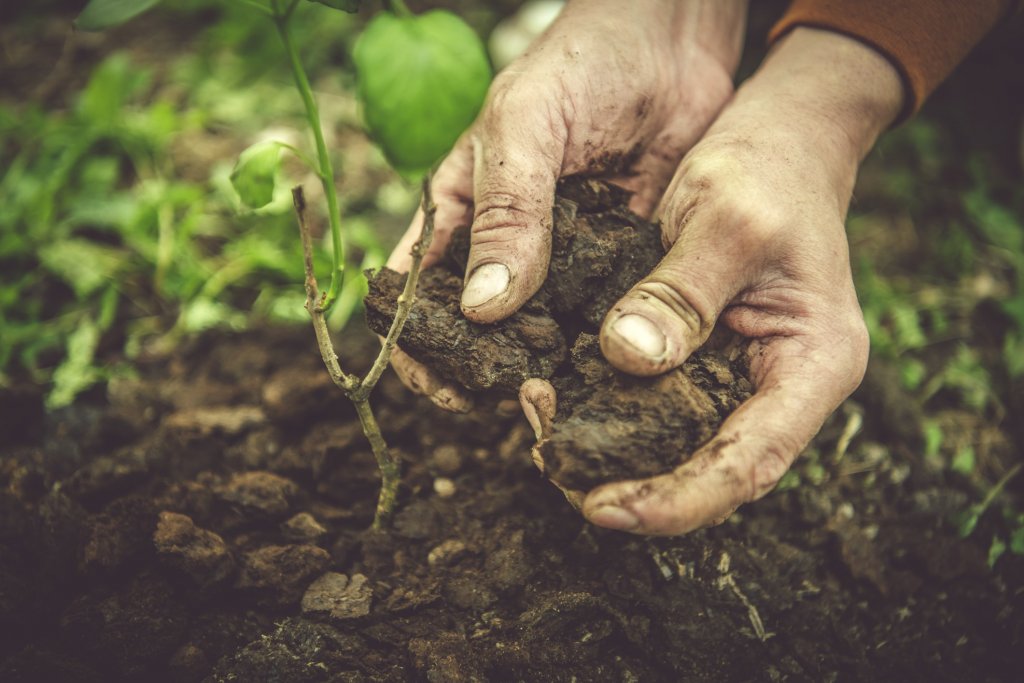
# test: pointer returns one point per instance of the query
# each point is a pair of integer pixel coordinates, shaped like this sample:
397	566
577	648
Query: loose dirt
188	526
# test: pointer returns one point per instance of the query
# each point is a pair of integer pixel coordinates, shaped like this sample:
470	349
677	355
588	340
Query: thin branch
301	156
291	8
397	7
314	302
263	9
408	296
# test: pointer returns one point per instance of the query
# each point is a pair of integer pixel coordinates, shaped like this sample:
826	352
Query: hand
616	89
754	219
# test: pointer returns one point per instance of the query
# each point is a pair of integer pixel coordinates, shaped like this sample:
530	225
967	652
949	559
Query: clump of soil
606	418
609	426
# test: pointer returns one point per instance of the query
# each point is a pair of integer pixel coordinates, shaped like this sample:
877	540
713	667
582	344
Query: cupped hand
753	223
620	90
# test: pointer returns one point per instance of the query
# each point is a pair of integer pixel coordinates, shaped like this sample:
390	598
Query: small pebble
339	597
446	553
303	527
446	459
444	487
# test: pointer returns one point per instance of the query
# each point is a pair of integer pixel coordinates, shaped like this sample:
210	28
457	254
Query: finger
421	380
537	398
517	159
800	387
452	191
670	313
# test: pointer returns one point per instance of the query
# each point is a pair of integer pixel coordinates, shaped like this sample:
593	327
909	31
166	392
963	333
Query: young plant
421	81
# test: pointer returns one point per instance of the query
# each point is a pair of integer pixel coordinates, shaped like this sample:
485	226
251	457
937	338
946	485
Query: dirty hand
616	89
754	220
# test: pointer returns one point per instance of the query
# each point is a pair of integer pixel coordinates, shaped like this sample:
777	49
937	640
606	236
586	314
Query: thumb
517	159
667	316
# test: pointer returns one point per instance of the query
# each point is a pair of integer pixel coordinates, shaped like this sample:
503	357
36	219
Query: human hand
754	224
620	90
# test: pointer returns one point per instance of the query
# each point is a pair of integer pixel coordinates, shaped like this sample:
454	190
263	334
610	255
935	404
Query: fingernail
612	517
451	400
486	282
641	334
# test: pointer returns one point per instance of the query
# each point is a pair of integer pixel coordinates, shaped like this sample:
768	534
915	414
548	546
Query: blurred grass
119	230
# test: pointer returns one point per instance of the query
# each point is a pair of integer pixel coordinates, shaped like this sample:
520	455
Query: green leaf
997	223
85	266
204	314
933	438
1013	354
422	80
111	85
1017	541
77	372
101	14
350	6
253	176
964	460
912	373
995	551
967	520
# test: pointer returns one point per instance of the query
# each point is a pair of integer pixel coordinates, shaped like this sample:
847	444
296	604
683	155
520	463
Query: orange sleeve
924	39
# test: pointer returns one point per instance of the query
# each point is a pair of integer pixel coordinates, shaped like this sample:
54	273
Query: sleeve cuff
923	39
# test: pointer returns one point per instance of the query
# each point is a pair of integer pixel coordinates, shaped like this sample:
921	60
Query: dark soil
198	524
609	426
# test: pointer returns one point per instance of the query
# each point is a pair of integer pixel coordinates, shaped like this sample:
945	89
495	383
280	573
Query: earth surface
208	521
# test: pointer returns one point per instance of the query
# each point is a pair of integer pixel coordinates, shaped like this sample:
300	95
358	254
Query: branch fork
358	390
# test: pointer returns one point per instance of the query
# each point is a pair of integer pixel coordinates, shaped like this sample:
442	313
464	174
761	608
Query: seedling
406	64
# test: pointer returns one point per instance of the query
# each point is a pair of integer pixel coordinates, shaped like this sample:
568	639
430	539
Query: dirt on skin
195	524
609	426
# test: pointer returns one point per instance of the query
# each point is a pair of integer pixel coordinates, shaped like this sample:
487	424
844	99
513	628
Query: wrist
715	27
831	84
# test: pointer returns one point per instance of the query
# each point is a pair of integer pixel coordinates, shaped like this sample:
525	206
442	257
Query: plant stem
398	8
388	464
326	170
408	295
300	155
314	302
994	492
359	391
259	7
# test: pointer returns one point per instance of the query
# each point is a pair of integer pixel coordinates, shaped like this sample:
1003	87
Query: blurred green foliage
938	244
107	244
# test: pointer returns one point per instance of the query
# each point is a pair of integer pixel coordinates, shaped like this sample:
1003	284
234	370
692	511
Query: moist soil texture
609	426
207	521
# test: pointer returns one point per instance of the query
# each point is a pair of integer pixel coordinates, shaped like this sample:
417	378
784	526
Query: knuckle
713	191
511	99
769	465
669	295
500	211
856	334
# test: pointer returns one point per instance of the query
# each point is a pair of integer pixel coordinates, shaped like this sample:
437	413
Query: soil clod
609	426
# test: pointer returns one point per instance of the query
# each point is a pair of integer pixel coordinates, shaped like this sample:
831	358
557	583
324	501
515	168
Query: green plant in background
422	80
966	283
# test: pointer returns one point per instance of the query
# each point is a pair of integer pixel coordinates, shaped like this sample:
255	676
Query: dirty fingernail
612	517
451	400
486	282
641	334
